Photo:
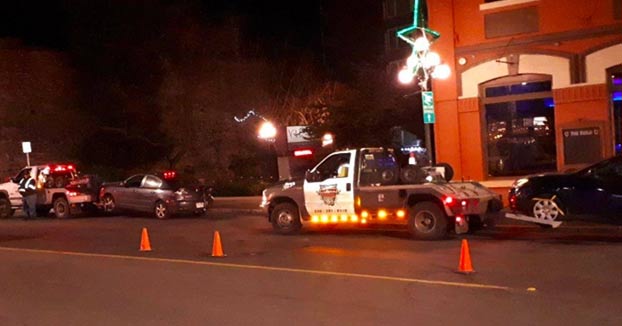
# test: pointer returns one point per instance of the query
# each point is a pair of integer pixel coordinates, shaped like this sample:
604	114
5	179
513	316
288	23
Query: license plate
200	204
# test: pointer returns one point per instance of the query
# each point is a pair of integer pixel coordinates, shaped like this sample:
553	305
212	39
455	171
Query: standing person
29	196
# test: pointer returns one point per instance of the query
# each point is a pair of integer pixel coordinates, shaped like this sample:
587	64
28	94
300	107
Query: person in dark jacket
27	188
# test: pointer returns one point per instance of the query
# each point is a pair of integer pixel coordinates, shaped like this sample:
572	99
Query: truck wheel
285	219
160	210
427	221
108	203
5	208
61	208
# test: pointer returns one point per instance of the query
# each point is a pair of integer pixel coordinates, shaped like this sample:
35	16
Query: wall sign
582	145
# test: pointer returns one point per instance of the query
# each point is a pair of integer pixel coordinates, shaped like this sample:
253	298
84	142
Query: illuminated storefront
536	86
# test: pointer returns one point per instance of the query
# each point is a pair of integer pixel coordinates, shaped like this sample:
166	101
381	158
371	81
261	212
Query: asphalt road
90	271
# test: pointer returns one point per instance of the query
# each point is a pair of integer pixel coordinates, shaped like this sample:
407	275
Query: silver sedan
161	195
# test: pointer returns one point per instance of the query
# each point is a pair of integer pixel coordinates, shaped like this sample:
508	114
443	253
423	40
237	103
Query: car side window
134	181
152	182
335	166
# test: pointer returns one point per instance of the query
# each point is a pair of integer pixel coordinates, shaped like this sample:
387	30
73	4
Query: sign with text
26	147
582	145
427	102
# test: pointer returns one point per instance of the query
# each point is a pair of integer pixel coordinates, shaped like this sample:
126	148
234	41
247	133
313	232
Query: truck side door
329	187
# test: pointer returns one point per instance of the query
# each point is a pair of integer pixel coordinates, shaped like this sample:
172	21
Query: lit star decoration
422	62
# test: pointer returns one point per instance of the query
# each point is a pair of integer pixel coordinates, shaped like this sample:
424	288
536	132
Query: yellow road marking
260	267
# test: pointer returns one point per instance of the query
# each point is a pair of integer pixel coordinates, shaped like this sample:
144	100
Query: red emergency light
303	152
61	167
169	175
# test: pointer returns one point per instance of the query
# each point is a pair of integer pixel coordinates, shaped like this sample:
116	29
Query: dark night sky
330	30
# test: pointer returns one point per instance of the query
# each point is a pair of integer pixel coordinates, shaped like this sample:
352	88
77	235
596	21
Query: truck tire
449	171
5	208
411	174
388	176
427	221
285	219
61	208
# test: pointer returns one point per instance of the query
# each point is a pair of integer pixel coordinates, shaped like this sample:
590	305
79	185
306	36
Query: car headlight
519	182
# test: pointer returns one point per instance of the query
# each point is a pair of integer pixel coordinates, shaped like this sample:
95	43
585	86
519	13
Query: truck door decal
330	192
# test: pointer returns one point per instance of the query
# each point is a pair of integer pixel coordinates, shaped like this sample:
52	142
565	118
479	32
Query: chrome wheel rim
108	204
424	221
546	209
285	219
160	210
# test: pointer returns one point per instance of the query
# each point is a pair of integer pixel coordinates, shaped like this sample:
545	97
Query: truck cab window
335	166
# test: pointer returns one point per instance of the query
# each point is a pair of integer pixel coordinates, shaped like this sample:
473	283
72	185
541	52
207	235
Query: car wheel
61	208
285	219
546	208
427	221
108	203
5	208
160	210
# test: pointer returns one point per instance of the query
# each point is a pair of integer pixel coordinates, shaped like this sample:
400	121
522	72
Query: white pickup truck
51	183
370	186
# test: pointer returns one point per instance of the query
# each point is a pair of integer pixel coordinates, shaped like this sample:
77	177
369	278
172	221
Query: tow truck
368	186
57	187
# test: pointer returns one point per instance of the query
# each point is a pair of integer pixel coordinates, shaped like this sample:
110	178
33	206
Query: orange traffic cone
464	266
144	241
217	247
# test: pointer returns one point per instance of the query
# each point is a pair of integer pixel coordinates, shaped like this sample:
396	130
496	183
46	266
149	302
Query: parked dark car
594	193
163	195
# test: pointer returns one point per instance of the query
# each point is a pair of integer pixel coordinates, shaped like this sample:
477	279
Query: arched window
615	88
519	117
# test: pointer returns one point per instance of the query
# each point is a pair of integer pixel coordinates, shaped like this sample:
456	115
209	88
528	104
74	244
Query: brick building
536	85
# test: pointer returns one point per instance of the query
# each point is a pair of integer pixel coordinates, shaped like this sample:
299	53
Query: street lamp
267	131
422	65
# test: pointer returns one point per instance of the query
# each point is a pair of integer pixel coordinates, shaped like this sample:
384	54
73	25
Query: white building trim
557	67
472	77
598	62
503	4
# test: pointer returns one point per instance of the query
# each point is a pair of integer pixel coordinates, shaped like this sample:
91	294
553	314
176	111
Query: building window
615	87
511	22
520	125
396	8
